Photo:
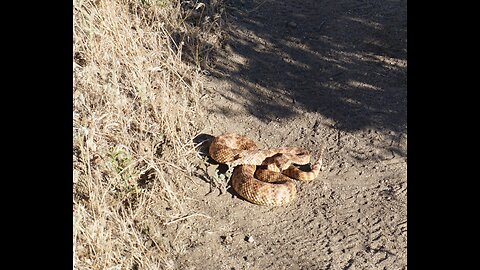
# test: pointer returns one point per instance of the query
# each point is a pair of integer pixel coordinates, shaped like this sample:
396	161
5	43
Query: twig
394	160
321	25
255	8
185	217
155	243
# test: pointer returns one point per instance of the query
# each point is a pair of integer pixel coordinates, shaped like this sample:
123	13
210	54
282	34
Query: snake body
263	177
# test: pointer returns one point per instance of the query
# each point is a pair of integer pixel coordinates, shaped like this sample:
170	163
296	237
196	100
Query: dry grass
134	116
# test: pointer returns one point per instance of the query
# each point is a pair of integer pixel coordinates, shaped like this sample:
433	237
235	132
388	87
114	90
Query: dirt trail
306	73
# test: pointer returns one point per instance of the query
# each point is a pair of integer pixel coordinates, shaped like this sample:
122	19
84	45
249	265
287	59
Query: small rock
149	243
212	171
227	240
249	239
292	24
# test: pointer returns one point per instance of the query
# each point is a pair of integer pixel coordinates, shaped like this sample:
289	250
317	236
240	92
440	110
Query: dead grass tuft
134	110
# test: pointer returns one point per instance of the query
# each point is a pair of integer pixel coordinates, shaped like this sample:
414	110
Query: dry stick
395	160
167	187
75	232
321	25
255	8
185	217
171	164
156	244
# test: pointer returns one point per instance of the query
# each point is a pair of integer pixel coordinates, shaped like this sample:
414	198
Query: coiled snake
263	177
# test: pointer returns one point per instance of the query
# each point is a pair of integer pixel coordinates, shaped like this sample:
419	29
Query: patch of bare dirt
306	73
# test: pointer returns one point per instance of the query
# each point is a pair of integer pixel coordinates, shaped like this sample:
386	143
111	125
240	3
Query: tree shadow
345	60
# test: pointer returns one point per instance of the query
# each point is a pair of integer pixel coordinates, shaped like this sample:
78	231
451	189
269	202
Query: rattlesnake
274	168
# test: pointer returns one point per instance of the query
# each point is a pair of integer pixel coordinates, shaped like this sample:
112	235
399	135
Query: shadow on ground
345	60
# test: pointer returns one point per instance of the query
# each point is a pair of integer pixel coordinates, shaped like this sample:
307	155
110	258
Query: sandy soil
306	73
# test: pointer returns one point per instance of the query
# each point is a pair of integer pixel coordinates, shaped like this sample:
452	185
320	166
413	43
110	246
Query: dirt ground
307	73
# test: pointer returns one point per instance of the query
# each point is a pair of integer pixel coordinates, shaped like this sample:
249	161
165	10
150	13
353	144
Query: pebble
249	239
292	24
149	243
212	171
227	240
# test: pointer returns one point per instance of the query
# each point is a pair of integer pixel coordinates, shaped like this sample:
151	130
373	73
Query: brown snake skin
263	177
